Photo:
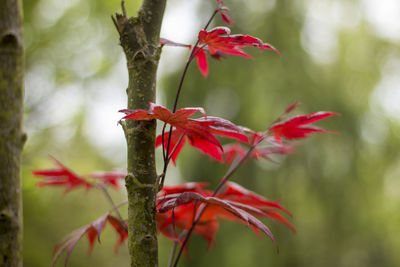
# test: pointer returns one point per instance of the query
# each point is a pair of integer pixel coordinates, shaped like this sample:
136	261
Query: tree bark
139	37
11	136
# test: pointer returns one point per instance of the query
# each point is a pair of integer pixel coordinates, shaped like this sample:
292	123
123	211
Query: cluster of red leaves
201	132
92	232
63	176
177	207
219	42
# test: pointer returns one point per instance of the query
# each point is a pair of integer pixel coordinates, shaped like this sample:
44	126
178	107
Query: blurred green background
338	55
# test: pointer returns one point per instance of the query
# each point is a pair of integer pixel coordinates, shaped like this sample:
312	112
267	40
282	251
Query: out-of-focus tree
11	135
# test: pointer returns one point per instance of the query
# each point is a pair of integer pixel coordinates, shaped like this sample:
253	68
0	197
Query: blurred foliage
343	190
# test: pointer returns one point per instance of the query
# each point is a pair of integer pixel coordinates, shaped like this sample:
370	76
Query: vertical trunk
139	38
11	136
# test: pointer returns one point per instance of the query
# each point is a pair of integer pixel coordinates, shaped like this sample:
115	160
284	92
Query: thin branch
176	146
192	54
114	207
168	159
211	18
172	255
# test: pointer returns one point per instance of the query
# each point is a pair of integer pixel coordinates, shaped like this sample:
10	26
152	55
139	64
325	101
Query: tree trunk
11	136
139	38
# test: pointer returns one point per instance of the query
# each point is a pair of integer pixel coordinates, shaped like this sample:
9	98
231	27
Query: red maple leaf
294	128
219	42
178	210
211	149
236	150
200	133
215	203
92	231
61	176
180	120
111	178
223	10
219	127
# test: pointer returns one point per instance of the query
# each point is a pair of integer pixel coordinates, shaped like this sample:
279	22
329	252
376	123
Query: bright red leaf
180	120
295	128
220	41
61	176
200	133
201	59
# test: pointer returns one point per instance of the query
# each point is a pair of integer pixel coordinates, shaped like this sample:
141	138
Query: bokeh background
338	55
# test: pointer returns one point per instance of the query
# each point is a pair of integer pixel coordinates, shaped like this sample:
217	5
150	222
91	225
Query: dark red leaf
225	128
238	193
92	231
120	228
188	197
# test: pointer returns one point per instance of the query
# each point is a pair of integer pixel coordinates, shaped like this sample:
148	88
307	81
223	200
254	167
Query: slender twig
172	255
225	179
192	54
176	146
211	18
162	142
114	207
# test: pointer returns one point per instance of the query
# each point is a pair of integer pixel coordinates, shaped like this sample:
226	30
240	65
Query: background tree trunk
139	38
11	136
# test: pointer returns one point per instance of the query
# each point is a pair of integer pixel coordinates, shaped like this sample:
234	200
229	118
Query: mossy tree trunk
139	37
11	136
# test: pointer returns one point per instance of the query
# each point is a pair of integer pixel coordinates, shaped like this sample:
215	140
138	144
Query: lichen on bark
11	135
139	37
